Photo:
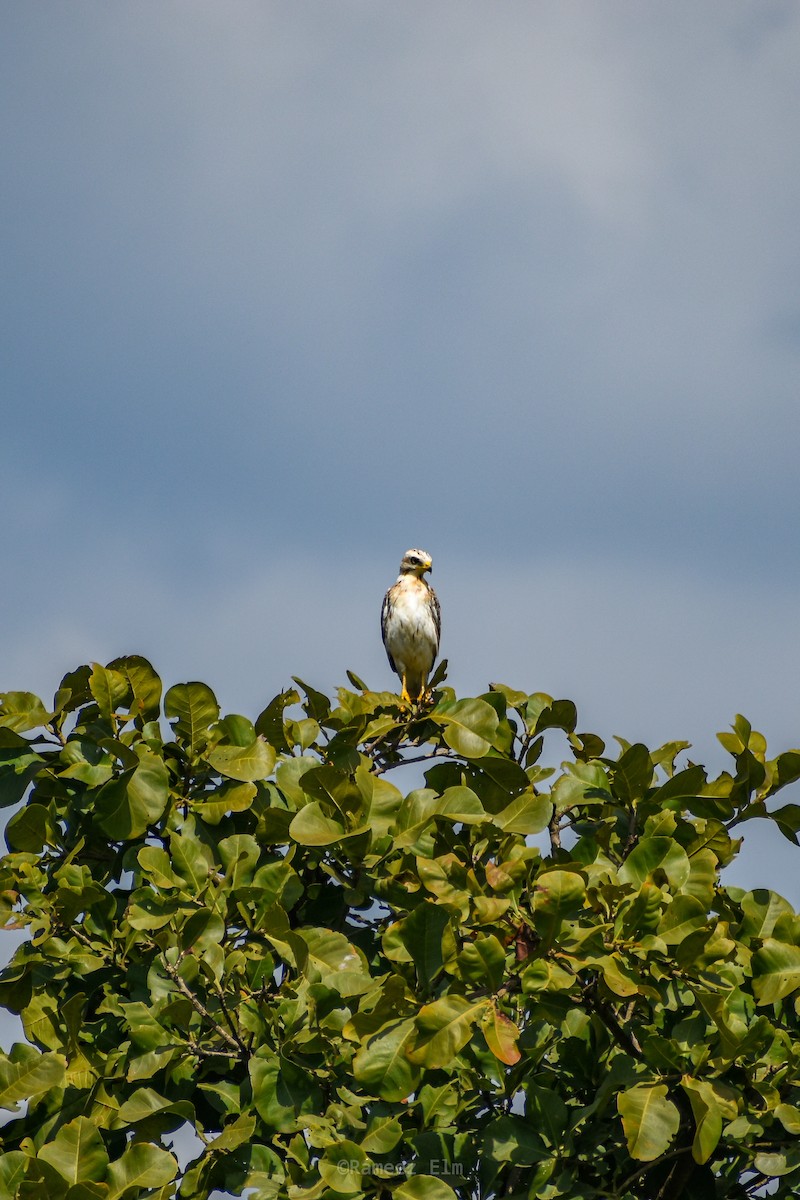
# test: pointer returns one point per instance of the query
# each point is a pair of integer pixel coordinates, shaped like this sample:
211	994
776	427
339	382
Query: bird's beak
429	566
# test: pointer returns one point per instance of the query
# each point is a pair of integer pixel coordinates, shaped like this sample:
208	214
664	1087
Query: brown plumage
411	625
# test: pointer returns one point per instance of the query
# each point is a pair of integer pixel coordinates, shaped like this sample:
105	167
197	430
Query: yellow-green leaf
248	764
443	1028
470	726
501	1036
649	1119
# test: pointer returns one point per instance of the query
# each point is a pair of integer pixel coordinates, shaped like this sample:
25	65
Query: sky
288	288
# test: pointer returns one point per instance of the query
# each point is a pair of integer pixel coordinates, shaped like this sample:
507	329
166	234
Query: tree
246	938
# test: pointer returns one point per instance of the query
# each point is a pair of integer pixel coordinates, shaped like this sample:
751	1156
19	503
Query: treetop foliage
255	964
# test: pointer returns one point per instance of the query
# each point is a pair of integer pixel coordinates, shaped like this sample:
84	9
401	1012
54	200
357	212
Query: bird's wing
387	609
436	612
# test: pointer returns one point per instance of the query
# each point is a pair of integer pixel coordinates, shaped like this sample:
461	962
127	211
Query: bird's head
416	562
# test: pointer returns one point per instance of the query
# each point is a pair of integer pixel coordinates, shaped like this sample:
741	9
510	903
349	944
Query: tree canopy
255	964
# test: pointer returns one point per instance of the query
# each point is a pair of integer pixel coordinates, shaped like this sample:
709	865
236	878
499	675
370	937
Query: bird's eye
412	558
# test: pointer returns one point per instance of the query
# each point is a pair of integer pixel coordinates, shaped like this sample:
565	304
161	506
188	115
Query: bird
411	625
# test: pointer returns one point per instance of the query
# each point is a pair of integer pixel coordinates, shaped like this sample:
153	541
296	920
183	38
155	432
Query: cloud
313	262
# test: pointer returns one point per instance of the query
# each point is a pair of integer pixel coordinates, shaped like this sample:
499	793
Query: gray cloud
559	239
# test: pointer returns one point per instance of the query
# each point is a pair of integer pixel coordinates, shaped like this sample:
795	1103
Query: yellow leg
423	695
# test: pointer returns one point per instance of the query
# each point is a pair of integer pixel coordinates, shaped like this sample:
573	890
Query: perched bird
411	624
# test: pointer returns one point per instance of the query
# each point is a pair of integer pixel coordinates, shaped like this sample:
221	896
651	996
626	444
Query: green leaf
228	798
144	684
21	711
787	819
78	1152
558	894
25	1073
343	1168
240	854
424	1187
762	910
512	1140
317	705
311	827
142	1166
19	766
788	767
789	1117
235	1134
282	1092
527	814
190	860
146	1103
422	934
156	864
649	1119
196	709
13	1167
270	723
443	1028
382	1136
711	1102
681	787
652	855
547	1112
470	726
633	773
501	1036
382	1065
460	804
248	764
334	961
127	805
776	971
382	800
31	829
558	714
109	688
683	916
483	960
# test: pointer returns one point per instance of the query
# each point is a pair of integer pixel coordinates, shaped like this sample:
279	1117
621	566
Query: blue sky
288	288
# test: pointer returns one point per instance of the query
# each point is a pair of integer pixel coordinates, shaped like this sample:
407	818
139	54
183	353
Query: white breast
411	636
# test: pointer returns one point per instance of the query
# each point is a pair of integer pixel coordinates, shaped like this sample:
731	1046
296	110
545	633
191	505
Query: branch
633	836
524	743
201	1052
440	753
226	1014
554	829
199	1007
622	1037
657	1162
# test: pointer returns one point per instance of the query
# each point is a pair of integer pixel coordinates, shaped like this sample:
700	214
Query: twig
370	747
554	829
199	1007
627	1041
201	1052
633	836
440	753
524	743
226	1014
657	1162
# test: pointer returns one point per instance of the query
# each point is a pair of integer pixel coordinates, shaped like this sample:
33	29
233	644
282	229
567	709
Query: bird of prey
411	625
